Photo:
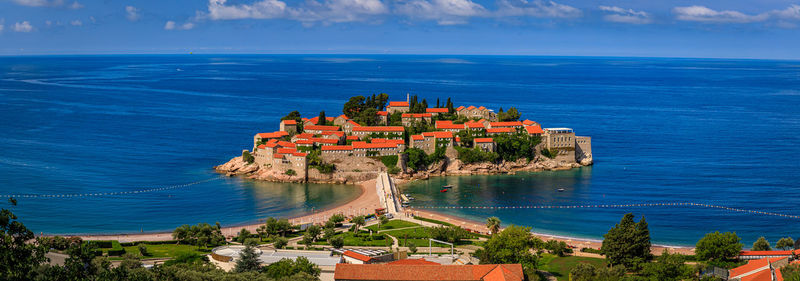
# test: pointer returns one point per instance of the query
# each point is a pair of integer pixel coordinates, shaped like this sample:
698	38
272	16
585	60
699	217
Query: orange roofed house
766	269
398	106
428	272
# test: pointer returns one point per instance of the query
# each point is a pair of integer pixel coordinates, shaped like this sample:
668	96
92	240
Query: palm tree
493	224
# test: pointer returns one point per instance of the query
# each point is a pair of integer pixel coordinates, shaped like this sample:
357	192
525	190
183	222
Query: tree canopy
512	245
761	245
718	246
627	243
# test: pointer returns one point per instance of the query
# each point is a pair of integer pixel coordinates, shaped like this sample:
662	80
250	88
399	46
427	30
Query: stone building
267	136
383	117
473	112
340	120
583	149
409	118
318	129
562	140
348	126
398	106
485	144
389	132
508	124
436	110
446	125
289	126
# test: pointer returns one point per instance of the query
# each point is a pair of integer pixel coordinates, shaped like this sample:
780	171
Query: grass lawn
561	266
363	239
165	250
393	224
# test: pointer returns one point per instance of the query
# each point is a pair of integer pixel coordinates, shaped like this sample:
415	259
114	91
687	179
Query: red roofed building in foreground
486	144
425	272
398	106
355	258
755	255
766	269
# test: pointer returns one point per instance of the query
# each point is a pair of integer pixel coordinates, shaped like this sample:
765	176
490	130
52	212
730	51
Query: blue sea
714	131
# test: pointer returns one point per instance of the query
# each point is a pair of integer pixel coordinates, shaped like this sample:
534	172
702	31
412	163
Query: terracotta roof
286	144
273	135
357	256
765	253
263	146
751	266
315	120
342	116
458	139
304	119
483	140
300	154
353	122
398	104
304	136
505	124
338	133
365	145
304	142
460	108
501	130
441	124
534	130
436	110
474	125
277	156
397	142
322	140
352	138
764	275
438	135
471	107
481	108
417	137
412	262
284	150
289	122
528	122
336	147
271	144
415	115
419	272
383	113
778	275
321	128
379	129
272	141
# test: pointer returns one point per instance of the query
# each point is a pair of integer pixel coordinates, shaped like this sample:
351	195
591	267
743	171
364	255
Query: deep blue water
717	131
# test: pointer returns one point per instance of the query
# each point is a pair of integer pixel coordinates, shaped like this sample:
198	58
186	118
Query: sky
768	29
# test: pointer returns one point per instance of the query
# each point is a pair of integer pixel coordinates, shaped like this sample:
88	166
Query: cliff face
453	167
345	172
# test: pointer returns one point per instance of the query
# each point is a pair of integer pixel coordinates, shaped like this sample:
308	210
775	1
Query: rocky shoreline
238	167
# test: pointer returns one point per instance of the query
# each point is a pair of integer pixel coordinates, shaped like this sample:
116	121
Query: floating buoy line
99	194
590	206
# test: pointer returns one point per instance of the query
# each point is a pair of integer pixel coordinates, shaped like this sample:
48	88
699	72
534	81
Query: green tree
412	247
786	243
262	232
761	245
287	268
417	159
668	267
280	242
627	243
314	231
243	235
143	250
18	258
718	246
247	157
558	248
336	242
283	226
358	222
382	220
583	272
511	115
307	240
248	259
512	245
354	106
493	224
294	115
337	218
322	119
329	233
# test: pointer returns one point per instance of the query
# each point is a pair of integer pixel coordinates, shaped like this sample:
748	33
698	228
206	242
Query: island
408	139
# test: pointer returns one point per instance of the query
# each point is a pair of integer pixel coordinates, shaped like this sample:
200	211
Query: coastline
365	202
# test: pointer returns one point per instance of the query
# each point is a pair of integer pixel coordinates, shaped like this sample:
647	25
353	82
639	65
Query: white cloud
536	8
171	25
340	10
76	23
132	13
2	25
790	13
444	12
75	5
24	26
40	3
617	14
265	9
704	14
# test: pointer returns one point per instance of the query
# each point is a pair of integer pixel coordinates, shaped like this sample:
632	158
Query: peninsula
408	139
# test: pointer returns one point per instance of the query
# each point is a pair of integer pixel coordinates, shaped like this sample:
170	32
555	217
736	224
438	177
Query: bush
337	242
590	250
550	153
475	155
412	247
291	172
325	168
143	250
393	170
103	244
247	157
389	161
280	243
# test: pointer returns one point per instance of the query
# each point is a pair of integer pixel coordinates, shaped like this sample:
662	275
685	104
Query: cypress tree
322	119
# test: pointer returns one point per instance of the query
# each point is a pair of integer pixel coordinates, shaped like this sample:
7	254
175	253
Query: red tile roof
357	256
751	266
284	150
315	120
273	135
396	142
271	144
474	125
481	108
437	110
505	124
483	140
418	272
277	156
304	136
501	130
528	122
764	275
471	107
342	116
289	122
263	146
365	145
286	144
338	133
321	128
534	130
304	142
398	104
417	137
765	253
413	262
383	113
300	154
322	140
460	108
442	124
438	135
416	115
352	138
353	122
337	147
379	129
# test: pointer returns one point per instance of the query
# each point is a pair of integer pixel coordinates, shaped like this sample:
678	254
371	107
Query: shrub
590	250
247	157
389	161
325	168
143	250
412	247
550	153
280	243
475	155
337	242
291	172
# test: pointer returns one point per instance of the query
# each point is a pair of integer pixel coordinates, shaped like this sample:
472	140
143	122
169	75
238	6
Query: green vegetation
389	161
786	243
516	146
718	247
365	110
628	243
291	172
561	267
201	234
433	221
248	259
511	115
475	155
314	161
247	157
393	224
550	153
791	272
512	245
761	245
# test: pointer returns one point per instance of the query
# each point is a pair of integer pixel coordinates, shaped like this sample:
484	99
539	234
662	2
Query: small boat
560	189
443	190
448	186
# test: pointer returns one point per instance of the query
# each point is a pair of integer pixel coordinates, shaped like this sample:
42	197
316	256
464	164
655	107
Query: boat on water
448	186
443	190
560	189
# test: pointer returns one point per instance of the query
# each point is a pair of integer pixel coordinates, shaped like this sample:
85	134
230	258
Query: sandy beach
366	203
